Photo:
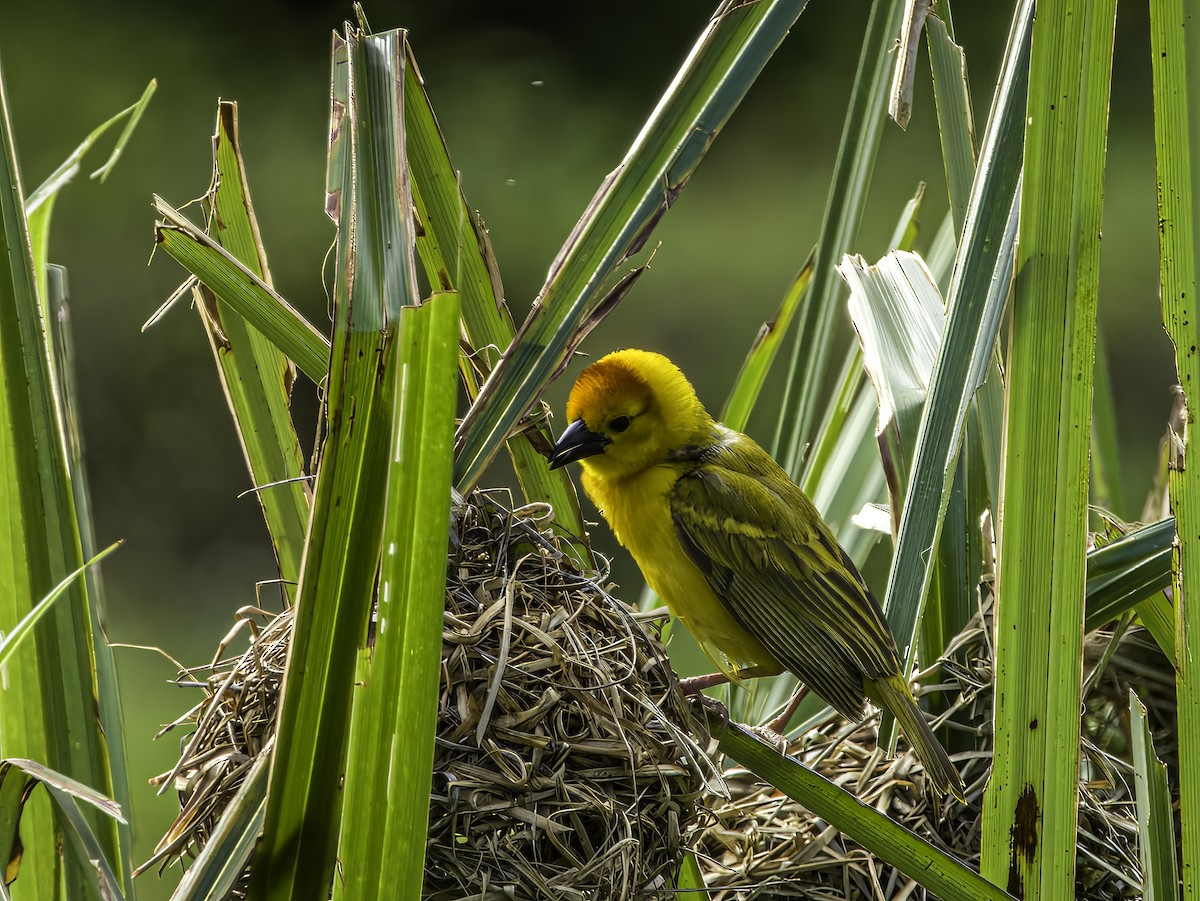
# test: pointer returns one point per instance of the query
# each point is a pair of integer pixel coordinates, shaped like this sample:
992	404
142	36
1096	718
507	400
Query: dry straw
567	763
568	766
761	845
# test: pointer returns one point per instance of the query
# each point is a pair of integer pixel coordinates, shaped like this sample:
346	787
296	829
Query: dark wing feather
775	566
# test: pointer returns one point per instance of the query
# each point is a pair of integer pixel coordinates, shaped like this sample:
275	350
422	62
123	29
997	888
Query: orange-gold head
629	411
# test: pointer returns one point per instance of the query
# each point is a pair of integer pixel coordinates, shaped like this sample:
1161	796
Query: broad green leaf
367	193
1156	822
382	846
861	134
1175	62
255	375
1031	803
944	875
244	291
1126	573
723	64
50	689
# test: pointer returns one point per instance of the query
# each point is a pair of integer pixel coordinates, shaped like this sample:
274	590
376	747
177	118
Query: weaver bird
735	548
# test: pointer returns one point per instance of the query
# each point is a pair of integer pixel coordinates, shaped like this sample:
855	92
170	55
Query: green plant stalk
979	285
1156	824
255	375
52	290
413	576
49	711
978	288
244	291
762	353
1031	802
367	192
1175	62
844	205
407	661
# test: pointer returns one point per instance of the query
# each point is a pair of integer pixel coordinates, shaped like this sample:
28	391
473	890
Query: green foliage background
537	104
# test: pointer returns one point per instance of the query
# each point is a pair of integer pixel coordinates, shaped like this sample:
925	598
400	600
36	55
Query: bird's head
629	411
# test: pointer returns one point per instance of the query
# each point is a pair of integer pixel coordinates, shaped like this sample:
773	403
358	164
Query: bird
739	553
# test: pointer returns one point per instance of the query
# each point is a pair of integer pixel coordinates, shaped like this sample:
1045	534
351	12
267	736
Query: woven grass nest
762	845
568	765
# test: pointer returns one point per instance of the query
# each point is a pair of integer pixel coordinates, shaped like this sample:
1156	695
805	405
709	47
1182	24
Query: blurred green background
537	103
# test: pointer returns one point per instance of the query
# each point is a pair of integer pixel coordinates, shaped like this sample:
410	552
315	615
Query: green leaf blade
1032	795
844	205
1156	823
762	353
255	374
979	286
723	64
956	124
453	247
941	873
248	294
1175	64
373	281
49	712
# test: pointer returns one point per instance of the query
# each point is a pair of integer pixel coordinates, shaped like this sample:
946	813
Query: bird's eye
620	424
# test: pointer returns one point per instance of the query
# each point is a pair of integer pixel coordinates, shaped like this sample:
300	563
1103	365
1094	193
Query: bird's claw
770	737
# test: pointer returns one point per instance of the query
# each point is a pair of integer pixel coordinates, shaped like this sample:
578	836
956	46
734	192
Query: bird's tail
892	693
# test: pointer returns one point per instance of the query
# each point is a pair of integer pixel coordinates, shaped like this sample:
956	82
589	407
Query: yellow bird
735	548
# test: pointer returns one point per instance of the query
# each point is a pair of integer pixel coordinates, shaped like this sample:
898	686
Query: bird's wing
775	566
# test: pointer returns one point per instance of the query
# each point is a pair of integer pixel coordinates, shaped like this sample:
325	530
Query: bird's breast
639	512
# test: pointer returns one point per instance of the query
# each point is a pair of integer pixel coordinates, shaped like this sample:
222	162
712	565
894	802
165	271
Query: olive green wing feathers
776	567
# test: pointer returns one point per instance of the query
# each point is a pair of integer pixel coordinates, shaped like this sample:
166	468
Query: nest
569	766
760	844
566	764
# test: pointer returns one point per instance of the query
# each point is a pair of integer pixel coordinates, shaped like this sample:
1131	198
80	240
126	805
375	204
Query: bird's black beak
576	442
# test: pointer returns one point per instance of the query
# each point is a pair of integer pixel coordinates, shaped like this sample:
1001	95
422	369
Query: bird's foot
780	723
770	737
696	684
